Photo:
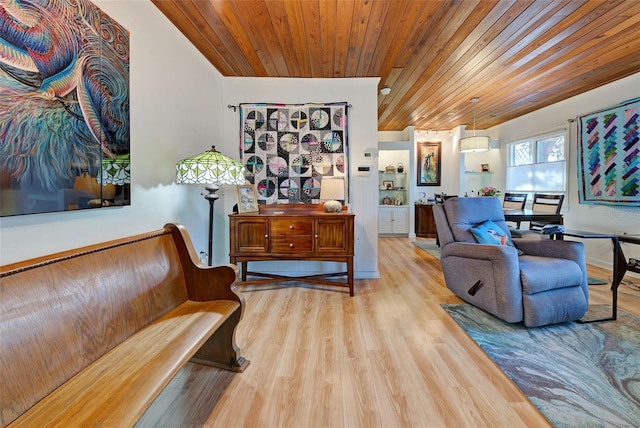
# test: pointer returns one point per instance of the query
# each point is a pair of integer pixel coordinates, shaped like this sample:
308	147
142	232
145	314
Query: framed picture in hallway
428	164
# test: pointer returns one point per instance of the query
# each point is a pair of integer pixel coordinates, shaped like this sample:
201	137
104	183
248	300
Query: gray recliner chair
545	284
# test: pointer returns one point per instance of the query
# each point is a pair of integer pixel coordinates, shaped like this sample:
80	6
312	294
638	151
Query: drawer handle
290	245
291	227
266	236
316	236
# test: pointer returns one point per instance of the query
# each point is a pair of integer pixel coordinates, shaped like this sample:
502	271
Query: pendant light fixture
474	144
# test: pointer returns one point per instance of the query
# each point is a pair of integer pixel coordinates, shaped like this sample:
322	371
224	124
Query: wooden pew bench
90	337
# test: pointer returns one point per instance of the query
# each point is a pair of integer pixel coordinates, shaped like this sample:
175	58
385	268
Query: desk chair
546	284
542	203
514	201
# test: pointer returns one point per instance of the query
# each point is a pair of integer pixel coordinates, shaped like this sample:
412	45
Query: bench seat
91	336
133	373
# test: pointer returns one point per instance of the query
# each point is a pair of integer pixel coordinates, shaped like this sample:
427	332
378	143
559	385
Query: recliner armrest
572	250
487	276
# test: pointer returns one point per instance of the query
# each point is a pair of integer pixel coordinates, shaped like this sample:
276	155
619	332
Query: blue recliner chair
536	282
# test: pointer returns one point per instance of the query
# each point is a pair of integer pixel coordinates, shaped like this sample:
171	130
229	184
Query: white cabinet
393	220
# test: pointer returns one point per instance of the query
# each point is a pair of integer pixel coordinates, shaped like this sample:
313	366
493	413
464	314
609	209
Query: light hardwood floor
388	357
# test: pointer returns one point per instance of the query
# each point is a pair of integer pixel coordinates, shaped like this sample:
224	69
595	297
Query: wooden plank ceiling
517	56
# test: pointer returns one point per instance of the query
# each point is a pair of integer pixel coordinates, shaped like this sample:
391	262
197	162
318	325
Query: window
537	164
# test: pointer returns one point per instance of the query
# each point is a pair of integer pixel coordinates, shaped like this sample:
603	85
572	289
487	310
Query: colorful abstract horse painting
64	107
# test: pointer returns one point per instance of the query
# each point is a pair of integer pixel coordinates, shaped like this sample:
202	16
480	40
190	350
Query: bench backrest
60	313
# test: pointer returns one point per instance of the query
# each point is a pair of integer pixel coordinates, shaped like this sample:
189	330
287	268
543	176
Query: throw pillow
490	233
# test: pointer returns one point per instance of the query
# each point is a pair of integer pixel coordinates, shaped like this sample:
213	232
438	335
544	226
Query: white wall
597	218
362	126
174	114
178	109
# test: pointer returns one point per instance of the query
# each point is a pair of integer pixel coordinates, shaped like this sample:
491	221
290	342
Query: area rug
577	375
432	249
428	247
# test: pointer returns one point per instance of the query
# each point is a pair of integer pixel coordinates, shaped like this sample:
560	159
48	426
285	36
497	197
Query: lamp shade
210	167
116	170
474	144
332	189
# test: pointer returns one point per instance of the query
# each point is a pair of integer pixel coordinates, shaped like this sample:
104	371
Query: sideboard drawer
287	244
291	226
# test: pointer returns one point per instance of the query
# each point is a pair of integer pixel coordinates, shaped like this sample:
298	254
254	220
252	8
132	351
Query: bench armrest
204	282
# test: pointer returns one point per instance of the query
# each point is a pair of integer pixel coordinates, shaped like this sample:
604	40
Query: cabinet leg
350	275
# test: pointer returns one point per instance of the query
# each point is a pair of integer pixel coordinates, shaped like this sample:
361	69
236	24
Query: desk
530	215
619	264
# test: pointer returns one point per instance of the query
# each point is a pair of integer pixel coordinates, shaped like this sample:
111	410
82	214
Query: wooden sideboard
425	224
292	232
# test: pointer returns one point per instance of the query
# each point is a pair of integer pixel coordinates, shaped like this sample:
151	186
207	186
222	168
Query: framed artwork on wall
64	108
429	164
287	149
247	200
609	155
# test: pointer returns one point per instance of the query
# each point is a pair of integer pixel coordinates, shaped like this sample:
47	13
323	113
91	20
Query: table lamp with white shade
332	191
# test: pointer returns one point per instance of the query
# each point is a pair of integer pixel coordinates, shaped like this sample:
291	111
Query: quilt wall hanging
64	107
609	155
288	148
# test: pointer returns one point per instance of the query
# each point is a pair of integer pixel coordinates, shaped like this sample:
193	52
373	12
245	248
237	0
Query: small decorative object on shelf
386	200
390	169
399	199
485	167
401	167
488	191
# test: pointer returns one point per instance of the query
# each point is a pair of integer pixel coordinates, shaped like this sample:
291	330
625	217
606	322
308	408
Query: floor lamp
213	169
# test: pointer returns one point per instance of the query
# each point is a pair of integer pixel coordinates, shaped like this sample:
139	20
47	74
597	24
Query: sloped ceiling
515	56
